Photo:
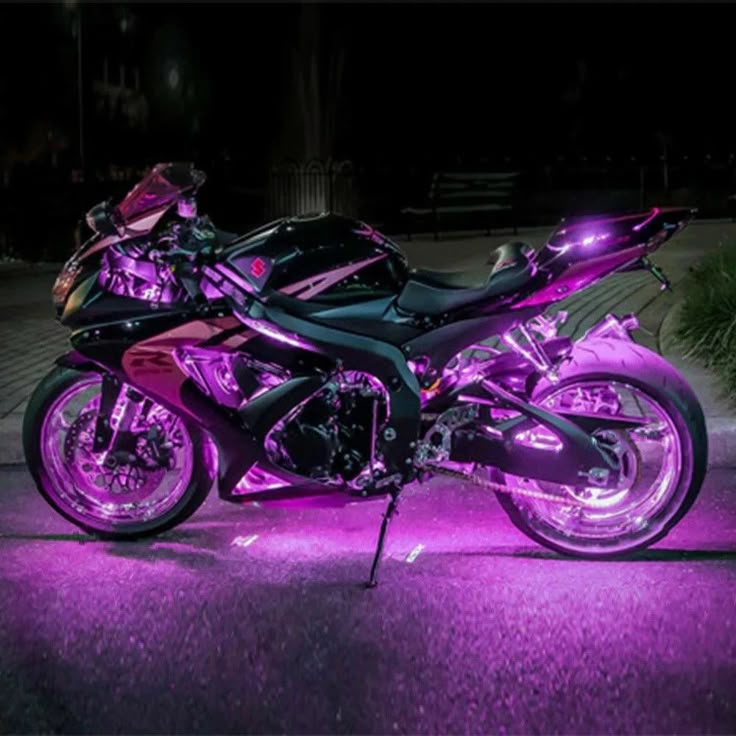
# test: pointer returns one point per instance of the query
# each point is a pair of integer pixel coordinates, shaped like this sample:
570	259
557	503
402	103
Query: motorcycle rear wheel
619	522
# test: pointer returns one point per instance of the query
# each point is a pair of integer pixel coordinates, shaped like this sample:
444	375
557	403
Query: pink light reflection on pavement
494	619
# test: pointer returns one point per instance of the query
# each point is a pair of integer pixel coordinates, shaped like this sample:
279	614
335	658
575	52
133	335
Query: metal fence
375	191
316	186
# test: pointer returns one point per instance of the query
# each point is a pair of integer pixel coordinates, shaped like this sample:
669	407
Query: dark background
597	105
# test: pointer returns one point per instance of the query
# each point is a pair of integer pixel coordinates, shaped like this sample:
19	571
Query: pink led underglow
271	331
257	480
597	498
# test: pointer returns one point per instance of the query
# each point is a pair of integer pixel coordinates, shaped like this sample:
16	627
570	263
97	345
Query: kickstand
390	511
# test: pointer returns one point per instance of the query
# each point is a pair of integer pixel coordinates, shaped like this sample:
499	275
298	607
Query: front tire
131	504
653	382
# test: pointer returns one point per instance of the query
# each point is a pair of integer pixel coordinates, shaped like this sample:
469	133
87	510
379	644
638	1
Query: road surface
253	620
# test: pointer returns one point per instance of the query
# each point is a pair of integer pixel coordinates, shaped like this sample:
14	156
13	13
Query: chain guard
490	485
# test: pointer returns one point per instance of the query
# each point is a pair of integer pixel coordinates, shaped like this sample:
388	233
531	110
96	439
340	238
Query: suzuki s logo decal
257	268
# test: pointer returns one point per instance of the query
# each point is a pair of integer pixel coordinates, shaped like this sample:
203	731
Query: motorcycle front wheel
125	495
663	460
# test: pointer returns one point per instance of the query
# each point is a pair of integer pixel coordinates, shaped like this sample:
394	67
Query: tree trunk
311	122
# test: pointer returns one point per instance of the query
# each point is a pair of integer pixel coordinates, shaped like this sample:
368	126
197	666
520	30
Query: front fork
110	393
106	435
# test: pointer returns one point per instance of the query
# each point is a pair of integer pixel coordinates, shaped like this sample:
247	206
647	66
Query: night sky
421	82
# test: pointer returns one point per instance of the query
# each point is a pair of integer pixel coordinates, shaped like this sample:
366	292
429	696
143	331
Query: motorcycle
305	362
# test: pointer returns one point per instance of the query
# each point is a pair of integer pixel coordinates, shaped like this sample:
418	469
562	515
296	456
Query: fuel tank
323	257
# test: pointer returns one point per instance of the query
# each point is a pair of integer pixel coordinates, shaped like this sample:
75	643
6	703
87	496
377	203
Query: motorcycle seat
510	267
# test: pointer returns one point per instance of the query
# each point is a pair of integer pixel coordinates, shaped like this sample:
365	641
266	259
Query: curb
666	336
11	443
11	446
721	442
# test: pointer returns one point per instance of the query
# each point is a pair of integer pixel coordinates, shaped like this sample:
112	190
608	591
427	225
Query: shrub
707	326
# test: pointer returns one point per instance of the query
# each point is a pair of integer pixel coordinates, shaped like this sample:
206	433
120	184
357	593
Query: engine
331	438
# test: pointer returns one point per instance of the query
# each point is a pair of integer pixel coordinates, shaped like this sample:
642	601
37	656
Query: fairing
135	216
583	250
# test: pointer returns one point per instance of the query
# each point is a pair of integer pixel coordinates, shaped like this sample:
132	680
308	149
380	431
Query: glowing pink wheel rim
87	490
642	505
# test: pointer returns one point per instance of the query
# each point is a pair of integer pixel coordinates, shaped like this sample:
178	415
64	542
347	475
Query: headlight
64	282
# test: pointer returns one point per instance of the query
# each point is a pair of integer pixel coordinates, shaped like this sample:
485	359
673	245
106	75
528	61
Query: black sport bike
306	362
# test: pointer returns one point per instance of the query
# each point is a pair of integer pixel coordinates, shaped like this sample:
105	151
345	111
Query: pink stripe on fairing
316	284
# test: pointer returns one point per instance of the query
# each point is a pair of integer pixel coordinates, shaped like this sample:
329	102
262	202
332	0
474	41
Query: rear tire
624	362
60	495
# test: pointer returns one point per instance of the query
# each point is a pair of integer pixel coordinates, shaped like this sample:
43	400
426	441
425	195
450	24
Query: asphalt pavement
254	620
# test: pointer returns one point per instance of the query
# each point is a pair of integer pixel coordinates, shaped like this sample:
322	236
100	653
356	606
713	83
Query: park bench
484	197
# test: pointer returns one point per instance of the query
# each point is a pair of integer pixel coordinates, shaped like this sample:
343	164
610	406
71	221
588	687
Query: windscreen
160	187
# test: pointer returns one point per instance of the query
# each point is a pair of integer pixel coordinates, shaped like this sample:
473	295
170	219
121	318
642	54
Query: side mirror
186	207
104	219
